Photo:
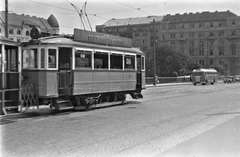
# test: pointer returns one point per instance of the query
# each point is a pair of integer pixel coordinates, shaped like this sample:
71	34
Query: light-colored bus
204	76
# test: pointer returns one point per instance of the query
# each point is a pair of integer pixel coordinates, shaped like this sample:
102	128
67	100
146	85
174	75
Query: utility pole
154	54
6	18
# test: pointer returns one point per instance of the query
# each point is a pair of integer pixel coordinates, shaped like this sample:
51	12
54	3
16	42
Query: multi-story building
19	26
210	39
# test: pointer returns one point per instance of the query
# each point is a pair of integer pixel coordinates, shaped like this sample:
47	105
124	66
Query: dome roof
53	21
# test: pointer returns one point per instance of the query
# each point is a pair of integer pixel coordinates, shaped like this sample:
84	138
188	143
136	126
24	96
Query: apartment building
210	39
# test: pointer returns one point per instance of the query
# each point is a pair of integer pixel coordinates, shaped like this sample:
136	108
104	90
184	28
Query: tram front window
52	53
30	58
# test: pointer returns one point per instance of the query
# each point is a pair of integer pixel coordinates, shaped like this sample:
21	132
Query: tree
168	62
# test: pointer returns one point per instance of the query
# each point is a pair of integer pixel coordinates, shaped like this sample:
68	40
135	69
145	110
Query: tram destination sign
101	38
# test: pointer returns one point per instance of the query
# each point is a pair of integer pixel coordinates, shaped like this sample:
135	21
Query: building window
211	62
191	52
192	25
200	34
10	31
221	33
201	62
191	35
172	35
211	52
136	34
221	52
201	25
27	33
145	34
211	24
19	32
233	23
201	52
191	44
233	49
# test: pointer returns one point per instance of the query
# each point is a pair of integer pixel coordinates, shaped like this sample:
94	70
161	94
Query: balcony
233	56
211	37
233	37
211	56
181	39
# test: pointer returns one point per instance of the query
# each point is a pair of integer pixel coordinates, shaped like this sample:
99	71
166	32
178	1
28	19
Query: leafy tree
168	62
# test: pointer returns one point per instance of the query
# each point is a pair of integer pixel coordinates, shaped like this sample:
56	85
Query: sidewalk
168	84
221	141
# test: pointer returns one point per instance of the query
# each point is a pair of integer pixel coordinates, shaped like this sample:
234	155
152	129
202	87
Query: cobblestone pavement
148	127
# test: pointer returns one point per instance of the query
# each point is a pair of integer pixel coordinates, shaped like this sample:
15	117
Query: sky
100	11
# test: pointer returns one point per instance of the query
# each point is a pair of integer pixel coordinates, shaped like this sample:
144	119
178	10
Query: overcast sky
99	11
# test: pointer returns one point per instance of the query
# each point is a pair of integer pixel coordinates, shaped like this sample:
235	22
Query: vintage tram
82	71
10	76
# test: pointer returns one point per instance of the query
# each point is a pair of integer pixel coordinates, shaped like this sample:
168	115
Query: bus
204	76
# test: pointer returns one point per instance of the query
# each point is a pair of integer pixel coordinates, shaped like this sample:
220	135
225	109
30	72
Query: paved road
166	118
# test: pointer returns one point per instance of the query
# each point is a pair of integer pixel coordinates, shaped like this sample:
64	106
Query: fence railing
159	80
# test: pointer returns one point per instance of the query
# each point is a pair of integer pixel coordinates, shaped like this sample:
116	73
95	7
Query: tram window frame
143	63
53	57
116	61
26	59
83	54
101	59
42	58
129	58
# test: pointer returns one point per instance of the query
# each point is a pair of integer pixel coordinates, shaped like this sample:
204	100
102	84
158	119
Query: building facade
19	26
210	39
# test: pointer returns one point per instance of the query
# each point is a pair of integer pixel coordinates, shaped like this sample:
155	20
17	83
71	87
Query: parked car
237	78
228	79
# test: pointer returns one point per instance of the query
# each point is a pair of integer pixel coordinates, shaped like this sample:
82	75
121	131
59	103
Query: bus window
83	59
129	62
100	60
52	58
30	58
116	61
42	58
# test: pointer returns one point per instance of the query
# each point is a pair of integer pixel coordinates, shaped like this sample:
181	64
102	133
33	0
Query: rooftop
132	21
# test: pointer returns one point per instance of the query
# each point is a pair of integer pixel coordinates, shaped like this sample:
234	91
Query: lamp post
154	54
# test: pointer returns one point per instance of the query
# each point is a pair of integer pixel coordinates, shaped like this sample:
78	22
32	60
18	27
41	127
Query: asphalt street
168	120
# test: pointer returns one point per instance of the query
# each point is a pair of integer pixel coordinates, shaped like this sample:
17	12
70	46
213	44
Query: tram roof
64	41
7	41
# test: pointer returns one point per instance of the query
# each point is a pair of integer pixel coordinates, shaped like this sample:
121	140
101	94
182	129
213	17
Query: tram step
63	104
136	95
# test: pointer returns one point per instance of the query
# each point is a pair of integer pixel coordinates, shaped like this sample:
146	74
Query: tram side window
129	62
52	58
101	60
83	59
30	58
116	61
42	58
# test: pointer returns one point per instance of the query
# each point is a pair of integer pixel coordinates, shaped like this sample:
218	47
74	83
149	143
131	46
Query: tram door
64	73
139	72
9	79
